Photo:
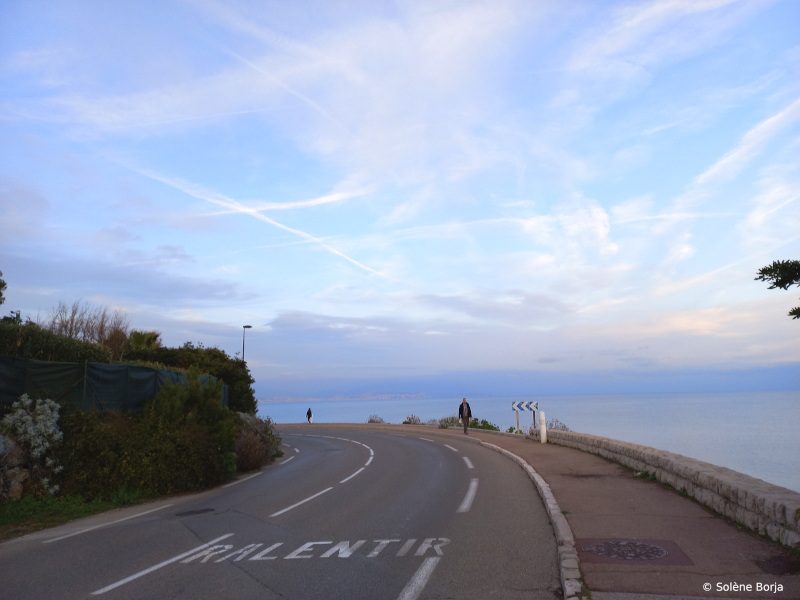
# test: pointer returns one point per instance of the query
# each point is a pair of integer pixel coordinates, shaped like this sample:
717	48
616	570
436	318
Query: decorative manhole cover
627	550
189	513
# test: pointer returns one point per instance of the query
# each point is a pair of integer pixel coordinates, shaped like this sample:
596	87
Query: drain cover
189	513
627	550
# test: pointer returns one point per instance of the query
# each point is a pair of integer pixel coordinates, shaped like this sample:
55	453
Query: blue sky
400	197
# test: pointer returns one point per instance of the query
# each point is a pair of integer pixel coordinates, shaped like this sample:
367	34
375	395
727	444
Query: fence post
542	427
85	375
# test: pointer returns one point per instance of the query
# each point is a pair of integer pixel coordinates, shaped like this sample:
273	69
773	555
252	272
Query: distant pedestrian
465	414
309	416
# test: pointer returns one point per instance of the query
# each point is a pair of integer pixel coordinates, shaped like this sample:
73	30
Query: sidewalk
603	501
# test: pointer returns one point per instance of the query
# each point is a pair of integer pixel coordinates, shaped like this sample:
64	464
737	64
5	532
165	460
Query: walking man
465	414
308	415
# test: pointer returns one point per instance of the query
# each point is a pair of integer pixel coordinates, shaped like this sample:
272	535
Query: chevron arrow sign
531	406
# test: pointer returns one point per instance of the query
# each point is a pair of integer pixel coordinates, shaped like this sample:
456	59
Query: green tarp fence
118	388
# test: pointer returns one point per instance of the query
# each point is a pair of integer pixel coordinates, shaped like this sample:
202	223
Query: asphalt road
354	514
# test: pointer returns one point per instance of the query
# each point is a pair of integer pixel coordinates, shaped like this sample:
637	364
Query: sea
757	433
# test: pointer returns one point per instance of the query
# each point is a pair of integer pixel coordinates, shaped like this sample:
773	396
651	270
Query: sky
432	197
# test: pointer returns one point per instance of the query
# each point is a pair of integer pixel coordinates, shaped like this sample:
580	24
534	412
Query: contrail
220	200
280	83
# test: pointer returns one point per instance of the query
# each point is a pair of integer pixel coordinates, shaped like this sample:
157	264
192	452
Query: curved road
343	514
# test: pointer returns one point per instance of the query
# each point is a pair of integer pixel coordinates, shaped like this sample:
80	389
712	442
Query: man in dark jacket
465	414
308	415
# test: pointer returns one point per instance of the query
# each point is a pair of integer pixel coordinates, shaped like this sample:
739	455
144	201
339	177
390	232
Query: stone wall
769	509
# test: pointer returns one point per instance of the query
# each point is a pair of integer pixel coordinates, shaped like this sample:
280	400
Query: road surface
355	514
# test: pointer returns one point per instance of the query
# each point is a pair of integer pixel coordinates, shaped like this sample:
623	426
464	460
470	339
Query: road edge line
568	562
147	512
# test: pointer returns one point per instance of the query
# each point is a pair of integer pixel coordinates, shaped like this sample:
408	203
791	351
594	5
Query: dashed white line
297	449
467	502
158	566
426	439
451	448
469	462
287	460
104	524
353	475
280	512
414	587
369	461
242	479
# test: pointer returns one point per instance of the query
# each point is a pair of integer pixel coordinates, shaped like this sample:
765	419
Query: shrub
413	420
483	424
375	419
34	426
251	451
90	323
182	441
451	421
432	422
556	425
256	442
212	361
31	341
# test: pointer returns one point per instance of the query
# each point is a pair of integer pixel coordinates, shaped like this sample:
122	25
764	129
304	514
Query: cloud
215	198
751	144
22	207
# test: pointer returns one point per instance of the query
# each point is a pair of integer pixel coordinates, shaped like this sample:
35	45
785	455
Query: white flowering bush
34	426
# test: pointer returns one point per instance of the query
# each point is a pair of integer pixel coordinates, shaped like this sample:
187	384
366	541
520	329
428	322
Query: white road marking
371	453
414	587
428	544
242	553
451	448
158	566
381	545
280	512
353	475
287	460
304	548
209	552
369	461
104	524
467	502
344	549
297	449
469	462
287	445
406	547
344	440
426	439
263	554
241	480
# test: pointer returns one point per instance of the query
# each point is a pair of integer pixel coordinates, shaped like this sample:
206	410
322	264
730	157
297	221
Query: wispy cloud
215	198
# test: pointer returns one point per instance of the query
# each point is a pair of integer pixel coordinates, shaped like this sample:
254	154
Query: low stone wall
769	509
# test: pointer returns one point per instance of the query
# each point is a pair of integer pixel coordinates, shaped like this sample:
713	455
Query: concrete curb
569	565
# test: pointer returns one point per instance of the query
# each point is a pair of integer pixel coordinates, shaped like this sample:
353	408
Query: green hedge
182	441
31	341
212	361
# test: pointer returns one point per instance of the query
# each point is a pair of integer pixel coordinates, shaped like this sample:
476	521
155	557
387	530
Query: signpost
531	406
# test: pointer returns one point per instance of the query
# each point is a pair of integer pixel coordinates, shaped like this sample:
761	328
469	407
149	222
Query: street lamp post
244	327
